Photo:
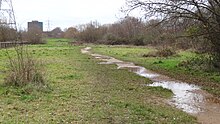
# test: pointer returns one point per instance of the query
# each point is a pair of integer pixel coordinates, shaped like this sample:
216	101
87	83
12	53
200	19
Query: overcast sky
66	13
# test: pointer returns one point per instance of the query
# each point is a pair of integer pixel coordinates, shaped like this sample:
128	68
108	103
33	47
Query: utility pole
7	16
48	25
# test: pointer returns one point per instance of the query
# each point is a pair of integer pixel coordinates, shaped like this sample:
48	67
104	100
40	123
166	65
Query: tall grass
23	69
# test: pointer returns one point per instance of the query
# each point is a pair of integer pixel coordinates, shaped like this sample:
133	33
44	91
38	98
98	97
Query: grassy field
82	91
168	66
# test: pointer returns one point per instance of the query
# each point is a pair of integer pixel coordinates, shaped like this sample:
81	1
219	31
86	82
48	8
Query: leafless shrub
7	34
23	69
166	52
33	36
70	33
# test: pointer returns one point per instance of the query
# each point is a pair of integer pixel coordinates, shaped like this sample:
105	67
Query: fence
11	44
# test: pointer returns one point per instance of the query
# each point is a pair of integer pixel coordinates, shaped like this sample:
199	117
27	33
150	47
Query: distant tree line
135	31
8	34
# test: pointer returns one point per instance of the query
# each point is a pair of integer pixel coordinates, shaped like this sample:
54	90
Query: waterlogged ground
188	97
83	91
209	81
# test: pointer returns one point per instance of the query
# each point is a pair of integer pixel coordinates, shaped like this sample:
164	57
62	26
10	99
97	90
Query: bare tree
71	33
206	14
34	36
56	33
91	32
7	34
126	31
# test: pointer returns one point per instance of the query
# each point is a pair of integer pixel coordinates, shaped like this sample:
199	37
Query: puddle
85	50
187	97
184	97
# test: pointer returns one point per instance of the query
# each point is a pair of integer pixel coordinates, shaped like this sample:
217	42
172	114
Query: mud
187	97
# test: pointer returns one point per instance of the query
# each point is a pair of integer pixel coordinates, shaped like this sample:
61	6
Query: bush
24	70
33	36
119	41
7	34
161	53
165	52
150	54
202	62
138	41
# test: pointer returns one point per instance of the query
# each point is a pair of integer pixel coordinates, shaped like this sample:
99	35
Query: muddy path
187	97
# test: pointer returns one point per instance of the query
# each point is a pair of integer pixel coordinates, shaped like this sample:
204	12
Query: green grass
168	66
82	91
58	41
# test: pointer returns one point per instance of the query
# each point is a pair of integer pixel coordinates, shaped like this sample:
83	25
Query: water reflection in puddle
184	96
